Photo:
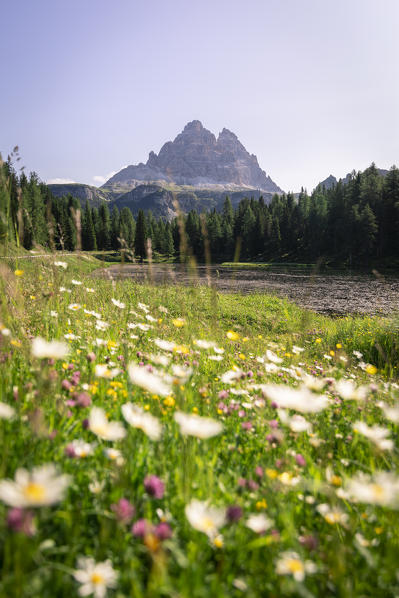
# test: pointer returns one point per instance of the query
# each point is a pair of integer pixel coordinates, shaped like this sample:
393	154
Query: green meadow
176	441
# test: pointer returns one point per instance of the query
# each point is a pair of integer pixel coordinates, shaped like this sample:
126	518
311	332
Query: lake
332	292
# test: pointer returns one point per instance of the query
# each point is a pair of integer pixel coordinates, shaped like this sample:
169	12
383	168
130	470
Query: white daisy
43	349
137	418
95	577
200	427
205	518
99	425
153	381
38	488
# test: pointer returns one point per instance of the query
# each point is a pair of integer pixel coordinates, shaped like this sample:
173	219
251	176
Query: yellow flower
169	402
271	473
242	356
318	340
218	542
232	335
195	409
178	322
181	349
18	272
338	346
245	339
332	353
261	504
16	343
336	480
371	369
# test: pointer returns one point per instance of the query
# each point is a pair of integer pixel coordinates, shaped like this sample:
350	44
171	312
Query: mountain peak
227	134
196	158
194	125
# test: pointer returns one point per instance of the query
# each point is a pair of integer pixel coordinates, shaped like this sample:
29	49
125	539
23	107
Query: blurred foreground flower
103	371
154	486
391	412
99	425
348	390
95	577
290	563
259	523
205	518
49	350
6	412
376	434
300	399
137	418
41	487
150	381
195	425
380	489
21	521
124	510
118	303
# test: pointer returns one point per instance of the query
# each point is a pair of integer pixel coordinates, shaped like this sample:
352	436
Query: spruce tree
141	236
115	228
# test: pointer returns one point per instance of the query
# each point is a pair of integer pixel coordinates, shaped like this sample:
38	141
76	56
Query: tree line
352	223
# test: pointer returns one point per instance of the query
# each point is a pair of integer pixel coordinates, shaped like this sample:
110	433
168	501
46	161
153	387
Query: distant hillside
82	192
161	199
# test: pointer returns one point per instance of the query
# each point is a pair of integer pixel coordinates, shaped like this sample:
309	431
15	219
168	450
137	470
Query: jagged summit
199	159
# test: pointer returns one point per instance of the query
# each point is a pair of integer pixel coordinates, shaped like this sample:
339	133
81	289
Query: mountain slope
82	192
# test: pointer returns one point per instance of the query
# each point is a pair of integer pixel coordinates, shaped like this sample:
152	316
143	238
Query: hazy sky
309	86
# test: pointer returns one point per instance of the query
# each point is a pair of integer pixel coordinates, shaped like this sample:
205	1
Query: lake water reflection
331	292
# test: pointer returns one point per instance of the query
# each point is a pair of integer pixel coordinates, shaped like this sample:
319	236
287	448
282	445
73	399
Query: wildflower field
170	441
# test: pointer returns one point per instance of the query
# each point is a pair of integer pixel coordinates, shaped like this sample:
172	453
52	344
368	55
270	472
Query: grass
266	470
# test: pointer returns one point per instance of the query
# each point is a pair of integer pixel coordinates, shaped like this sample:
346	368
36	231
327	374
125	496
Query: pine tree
127	229
369	230
141	236
104	230
37	211
168	243
88	233
115	228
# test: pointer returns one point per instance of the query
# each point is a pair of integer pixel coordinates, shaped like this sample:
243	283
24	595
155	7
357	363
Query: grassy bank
278	512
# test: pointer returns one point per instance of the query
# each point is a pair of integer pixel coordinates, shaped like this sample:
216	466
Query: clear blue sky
309	86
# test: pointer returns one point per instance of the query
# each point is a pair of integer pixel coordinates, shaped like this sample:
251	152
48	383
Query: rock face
199	159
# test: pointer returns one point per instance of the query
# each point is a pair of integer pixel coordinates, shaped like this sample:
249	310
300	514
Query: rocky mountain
196	169
199	159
